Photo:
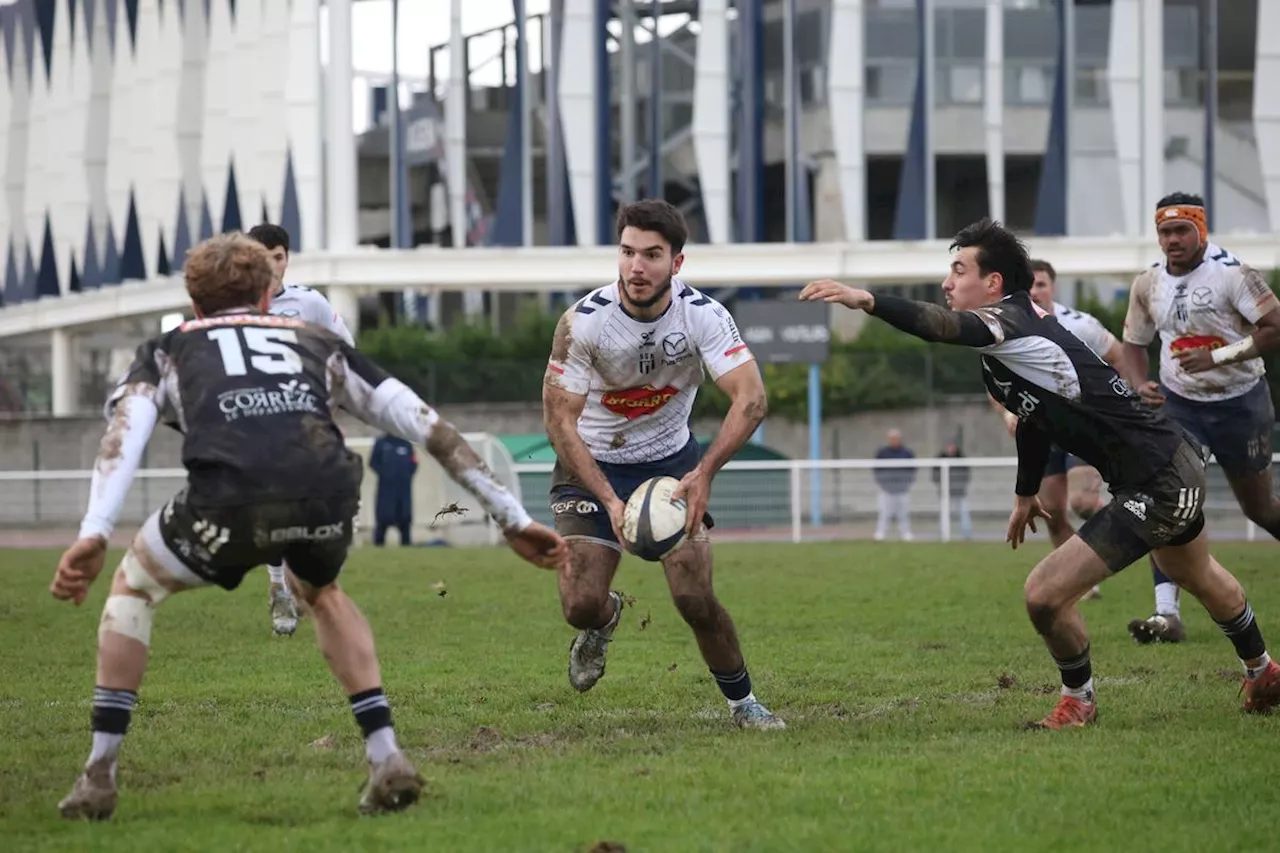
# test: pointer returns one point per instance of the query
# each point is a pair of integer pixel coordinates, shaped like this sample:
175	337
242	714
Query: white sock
1084	692
276	573
105	746
381	745
735	704
1250	672
1167	599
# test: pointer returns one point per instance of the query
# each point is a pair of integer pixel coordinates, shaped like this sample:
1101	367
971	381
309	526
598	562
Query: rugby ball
653	523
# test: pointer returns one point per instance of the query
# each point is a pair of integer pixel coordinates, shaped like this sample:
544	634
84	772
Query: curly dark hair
661	217
999	251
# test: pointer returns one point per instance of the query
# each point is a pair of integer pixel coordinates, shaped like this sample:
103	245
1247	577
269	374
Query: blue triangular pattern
162	260
111	257
131	18
45	13
206	11
91	277
182	10
71	19
133	266
74	286
206	221
10	274
110	7
87	9
290	216
27	21
181	234
47	273
28	275
266	214
233	11
231	207
8	22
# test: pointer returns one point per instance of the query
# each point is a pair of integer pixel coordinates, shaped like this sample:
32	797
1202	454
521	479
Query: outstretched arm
923	319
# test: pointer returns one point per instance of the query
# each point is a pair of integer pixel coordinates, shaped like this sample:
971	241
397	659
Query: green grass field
904	689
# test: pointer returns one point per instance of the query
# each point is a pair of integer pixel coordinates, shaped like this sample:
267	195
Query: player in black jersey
1063	393
268	478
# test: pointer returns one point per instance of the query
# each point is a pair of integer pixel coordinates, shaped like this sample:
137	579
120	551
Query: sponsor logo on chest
632	403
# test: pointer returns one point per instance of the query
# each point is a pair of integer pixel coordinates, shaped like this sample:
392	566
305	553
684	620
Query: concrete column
63	373
341	203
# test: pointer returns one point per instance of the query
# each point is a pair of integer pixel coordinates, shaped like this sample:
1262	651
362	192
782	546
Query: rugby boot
93	797
393	786
754	715
1069	713
284	611
1263	693
587	651
1158	629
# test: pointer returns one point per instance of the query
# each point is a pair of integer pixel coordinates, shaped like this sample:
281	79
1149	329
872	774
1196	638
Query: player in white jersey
1215	316
625	366
305	304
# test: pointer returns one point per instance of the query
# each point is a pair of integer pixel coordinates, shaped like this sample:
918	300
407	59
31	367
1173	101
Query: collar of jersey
622	306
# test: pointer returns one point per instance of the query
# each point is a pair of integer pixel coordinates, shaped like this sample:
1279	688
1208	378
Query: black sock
1076	671
371	710
735	686
1244	634
112	710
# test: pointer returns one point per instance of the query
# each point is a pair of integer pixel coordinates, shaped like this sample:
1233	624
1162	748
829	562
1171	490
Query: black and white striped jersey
1063	393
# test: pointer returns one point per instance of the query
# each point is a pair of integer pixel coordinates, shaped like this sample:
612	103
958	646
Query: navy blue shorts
1236	431
1060	462
579	514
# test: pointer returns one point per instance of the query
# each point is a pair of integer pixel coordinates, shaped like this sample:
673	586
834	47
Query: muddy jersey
1085	327
253	395
1064	393
1215	304
640	376
307	304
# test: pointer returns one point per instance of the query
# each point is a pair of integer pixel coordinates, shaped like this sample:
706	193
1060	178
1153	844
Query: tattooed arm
923	319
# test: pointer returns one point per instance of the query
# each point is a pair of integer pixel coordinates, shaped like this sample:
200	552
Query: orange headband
1187	213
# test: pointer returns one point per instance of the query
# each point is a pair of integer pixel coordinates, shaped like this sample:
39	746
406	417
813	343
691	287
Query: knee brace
128	616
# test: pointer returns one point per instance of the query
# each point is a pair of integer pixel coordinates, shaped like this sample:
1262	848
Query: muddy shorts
222	544
1167	510
1236	431
579	514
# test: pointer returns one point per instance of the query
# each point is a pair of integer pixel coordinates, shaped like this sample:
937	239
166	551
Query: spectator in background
895	488
395	462
958	486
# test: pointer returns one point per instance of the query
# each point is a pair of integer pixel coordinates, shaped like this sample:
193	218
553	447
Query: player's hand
695	490
1196	360
1150	394
616	509
1025	512
79	566
541	546
827	290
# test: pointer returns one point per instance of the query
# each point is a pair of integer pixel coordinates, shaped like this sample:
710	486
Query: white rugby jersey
308	305
1215	304
640	377
1085	327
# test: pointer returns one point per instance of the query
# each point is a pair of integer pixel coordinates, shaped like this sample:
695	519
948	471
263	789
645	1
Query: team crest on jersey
632	403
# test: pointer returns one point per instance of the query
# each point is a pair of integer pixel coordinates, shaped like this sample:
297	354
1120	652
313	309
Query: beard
659	291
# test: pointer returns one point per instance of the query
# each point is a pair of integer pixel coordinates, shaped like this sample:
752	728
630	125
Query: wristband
1242	350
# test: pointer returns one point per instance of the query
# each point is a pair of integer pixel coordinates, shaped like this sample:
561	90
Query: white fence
796	500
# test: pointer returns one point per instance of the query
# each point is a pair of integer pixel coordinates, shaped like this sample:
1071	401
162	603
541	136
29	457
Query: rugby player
269	478
289	300
625	366
1063	393
1215	316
